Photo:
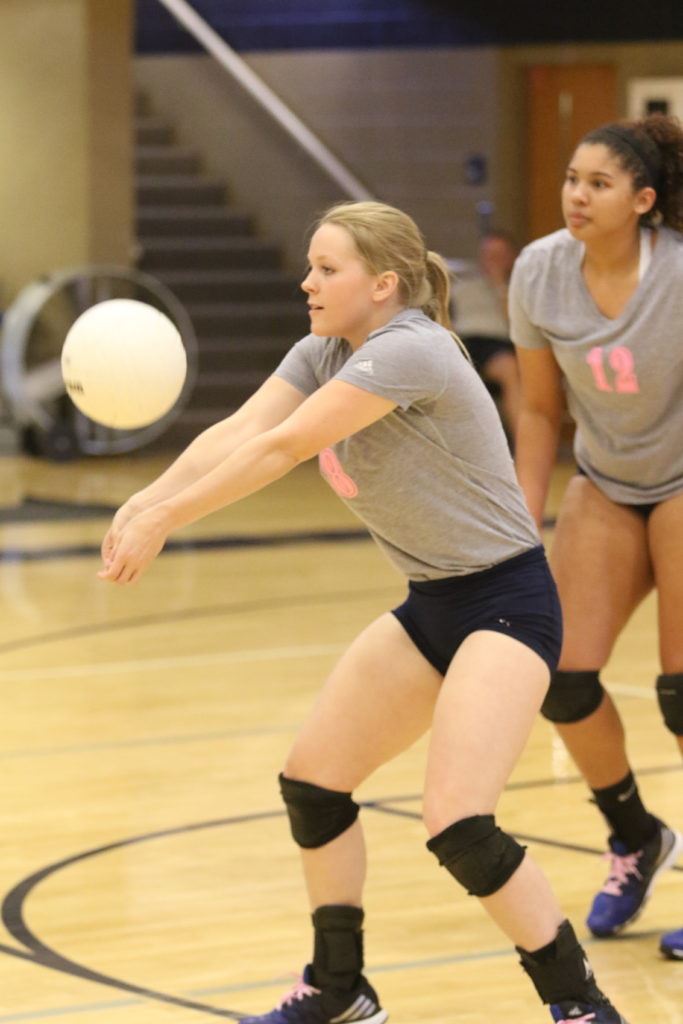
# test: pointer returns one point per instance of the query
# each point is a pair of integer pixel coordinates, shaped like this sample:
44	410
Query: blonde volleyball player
407	435
598	308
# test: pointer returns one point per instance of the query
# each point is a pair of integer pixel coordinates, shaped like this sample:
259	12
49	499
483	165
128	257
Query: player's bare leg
378	701
601	565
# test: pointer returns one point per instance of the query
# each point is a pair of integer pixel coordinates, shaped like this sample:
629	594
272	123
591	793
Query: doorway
564	102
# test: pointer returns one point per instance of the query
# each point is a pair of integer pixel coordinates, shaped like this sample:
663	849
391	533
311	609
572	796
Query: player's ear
386	285
645	199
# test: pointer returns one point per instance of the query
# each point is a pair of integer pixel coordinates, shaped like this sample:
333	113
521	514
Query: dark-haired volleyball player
598	308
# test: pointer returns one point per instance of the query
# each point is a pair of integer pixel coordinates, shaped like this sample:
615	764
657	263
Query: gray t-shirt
624	376
433	480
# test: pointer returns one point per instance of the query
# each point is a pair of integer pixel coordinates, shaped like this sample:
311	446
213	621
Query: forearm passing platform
316	815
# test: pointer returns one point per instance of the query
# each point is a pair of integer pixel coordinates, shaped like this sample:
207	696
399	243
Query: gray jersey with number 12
624	376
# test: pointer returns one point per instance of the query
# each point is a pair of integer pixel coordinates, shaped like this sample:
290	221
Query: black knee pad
572	696
316	815
478	854
670	697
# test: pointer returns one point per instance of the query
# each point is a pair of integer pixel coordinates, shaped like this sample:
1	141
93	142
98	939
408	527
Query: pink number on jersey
339	481
621	361
594	360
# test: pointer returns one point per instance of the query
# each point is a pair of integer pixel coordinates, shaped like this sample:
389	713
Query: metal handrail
185	14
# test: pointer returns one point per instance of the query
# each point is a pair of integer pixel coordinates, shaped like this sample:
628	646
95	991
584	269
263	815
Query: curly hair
651	151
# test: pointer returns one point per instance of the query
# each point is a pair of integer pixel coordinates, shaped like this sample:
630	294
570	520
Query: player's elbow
548	406
290	446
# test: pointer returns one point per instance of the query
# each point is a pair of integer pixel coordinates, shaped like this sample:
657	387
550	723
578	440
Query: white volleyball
123	363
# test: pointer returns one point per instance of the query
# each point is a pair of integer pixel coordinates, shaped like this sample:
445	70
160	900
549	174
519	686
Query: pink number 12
620	360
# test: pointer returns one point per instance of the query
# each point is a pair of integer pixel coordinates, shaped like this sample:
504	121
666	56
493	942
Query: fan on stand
34	329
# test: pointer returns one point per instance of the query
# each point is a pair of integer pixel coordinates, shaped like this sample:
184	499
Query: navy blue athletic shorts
517	597
644	510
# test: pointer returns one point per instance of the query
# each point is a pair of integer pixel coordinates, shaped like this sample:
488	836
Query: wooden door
564	102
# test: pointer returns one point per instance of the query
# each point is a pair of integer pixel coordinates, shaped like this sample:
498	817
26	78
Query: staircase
246	310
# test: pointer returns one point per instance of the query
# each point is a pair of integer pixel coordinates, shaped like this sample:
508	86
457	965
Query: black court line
34	510
42	955
225	542
556	844
38	952
568	780
40	510
187	614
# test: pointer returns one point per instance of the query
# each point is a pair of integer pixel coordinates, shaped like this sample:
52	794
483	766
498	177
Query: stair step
169	189
248	344
164	221
262	353
185	428
246	310
163	160
236	253
206	286
249	317
141	104
227	390
244	379
153	131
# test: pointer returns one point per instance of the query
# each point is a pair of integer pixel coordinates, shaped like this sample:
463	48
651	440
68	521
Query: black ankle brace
338	946
560	970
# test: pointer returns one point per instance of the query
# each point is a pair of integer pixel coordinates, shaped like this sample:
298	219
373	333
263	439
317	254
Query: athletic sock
338	946
625	813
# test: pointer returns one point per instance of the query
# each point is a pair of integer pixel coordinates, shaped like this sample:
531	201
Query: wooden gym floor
147	872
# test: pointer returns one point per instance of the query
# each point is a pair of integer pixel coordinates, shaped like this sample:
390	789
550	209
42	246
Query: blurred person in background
480	317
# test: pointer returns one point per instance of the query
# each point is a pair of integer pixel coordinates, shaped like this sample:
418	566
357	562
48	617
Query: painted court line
624	690
105	668
380	968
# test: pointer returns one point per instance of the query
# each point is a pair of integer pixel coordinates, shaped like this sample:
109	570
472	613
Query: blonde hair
387	239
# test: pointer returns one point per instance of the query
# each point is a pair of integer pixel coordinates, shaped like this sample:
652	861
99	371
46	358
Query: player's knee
479	855
572	696
316	815
670	698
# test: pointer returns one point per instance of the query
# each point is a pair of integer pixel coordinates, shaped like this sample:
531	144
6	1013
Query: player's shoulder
555	246
540	260
412	340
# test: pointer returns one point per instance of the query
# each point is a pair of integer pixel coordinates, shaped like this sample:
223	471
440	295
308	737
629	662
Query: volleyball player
597	309
408	436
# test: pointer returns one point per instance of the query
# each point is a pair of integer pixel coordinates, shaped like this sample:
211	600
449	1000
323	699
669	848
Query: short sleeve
523	332
298	366
399	364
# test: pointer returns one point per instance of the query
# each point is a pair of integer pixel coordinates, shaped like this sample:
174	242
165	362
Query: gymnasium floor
147	872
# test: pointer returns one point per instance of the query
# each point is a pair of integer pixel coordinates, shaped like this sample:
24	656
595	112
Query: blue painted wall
358	24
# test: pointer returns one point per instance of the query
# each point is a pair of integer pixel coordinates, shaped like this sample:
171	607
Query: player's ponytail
438	281
667	134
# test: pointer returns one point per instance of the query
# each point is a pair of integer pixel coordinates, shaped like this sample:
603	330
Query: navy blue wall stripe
352	24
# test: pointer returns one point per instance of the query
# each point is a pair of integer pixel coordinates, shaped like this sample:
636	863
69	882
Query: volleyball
123	363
